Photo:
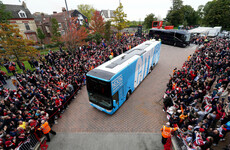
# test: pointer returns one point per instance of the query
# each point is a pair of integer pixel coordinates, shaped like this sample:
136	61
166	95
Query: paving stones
141	113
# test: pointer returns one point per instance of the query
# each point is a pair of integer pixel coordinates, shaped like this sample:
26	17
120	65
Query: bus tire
150	69
128	95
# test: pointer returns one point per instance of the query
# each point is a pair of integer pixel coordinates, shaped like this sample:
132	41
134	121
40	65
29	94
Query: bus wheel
128	95
150	69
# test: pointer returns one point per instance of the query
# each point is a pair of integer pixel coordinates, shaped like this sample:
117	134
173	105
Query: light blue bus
110	84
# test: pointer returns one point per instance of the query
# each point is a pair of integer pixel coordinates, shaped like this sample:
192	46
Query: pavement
136	125
105	141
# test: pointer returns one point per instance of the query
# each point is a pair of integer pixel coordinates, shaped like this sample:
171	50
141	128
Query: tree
175	14
13	43
190	15
177	4
55	33
175	17
86	10
149	20
75	36
107	30
216	13
41	35
4	15
120	21
200	13
133	23
97	23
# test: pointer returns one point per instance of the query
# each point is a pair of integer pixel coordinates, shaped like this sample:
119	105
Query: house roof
14	9
76	12
108	13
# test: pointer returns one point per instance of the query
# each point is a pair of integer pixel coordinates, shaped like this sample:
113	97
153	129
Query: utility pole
68	27
68	21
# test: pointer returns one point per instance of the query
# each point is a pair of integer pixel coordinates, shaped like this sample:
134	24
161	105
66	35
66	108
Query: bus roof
172	30
110	68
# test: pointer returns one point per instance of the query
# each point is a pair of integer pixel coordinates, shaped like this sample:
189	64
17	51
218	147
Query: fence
33	140
179	143
29	144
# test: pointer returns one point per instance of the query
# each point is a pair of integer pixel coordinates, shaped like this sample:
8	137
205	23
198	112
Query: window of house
59	24
27	26
22	14
62	32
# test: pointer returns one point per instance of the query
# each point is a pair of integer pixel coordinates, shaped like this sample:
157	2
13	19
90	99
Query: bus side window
115	97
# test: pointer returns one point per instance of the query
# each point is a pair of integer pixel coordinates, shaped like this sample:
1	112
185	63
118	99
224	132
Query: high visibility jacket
166	131
45	128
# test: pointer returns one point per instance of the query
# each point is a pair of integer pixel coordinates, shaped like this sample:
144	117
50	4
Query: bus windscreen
99	92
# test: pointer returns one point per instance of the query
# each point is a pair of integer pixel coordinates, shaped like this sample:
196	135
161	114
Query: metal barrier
33	140
29	144
178	142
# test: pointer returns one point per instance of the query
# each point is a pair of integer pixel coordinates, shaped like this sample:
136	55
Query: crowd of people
43	95
197	98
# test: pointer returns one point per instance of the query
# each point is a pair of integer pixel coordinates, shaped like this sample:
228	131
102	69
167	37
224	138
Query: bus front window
99	92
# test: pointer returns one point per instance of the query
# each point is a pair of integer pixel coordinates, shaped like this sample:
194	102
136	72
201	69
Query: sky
135	9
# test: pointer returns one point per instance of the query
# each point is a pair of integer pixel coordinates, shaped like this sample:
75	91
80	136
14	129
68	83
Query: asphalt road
136	125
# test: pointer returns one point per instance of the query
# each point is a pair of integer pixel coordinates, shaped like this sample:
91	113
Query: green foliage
190	15
200	13
107	30
120	21
4	15
177	4
216	13
97	37
86	10
182	14
41	35
55	34
134	23
175	17
27	66
149	20
14	44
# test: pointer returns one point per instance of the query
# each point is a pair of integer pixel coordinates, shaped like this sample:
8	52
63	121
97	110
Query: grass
26	63
46	51
18	70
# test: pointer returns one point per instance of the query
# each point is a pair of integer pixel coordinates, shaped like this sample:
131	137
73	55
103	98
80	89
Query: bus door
121	95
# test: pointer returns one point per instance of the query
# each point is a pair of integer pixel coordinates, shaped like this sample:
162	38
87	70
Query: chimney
63	9
24	5
54	12
108	13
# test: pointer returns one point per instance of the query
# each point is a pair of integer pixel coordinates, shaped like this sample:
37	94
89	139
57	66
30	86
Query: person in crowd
45	93
166	132
200	88
46	129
